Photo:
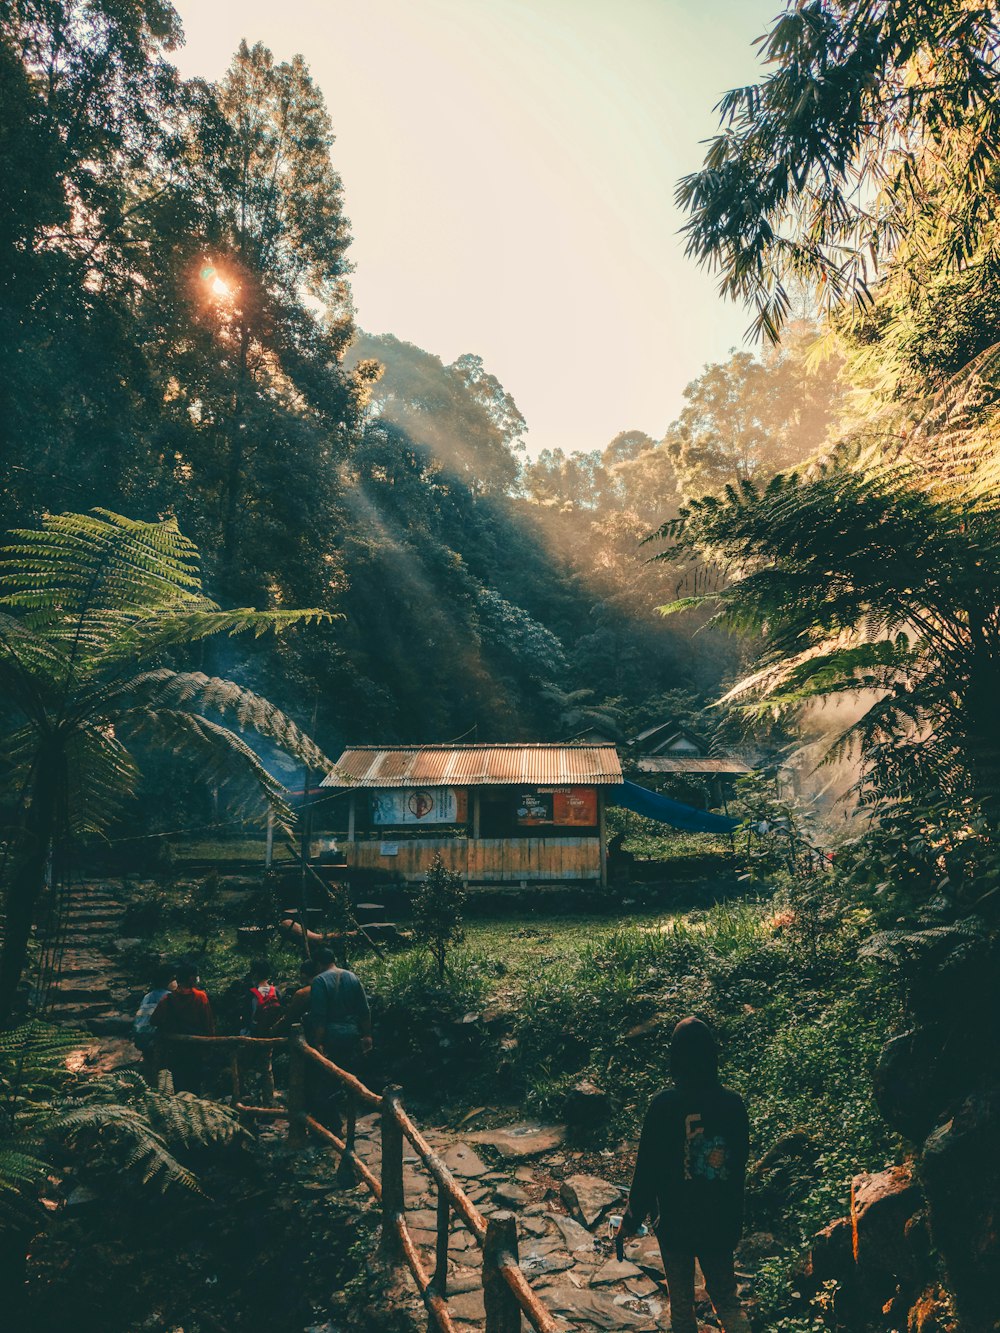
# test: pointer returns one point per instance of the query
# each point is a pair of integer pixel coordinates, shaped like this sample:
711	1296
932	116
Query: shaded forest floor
530	1005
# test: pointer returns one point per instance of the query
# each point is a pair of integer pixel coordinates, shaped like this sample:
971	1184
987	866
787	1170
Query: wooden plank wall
484	860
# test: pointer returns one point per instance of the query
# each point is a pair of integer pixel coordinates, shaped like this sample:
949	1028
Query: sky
509	169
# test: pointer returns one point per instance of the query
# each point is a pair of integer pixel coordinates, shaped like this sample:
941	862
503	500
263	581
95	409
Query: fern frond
192	690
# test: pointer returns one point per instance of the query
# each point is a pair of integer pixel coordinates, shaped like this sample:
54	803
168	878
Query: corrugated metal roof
476	766
679	763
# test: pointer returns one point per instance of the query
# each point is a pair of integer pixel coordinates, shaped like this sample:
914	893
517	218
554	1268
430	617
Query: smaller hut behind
497	814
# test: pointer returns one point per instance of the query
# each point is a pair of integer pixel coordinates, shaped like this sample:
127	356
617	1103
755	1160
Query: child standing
689	1174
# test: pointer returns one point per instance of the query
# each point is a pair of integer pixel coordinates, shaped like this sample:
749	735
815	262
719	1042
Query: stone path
91	992
562	1228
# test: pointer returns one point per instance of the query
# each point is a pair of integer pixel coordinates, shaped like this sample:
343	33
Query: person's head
694	1053
260	970
322	960
187	973
309	968
163	977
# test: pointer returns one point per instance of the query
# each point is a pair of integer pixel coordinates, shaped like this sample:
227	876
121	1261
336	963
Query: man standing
339	1022
185	1012
689	1174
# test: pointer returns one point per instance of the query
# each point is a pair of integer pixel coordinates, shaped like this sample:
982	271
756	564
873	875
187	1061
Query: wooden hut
497	814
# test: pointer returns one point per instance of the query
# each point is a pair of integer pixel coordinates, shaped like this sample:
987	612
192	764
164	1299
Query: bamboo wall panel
482	860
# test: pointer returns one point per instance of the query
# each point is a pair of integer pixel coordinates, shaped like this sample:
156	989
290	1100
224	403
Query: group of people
328	1000
691	1163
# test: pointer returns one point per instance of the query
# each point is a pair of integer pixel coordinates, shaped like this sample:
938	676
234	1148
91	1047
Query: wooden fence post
345	1171
269	1077
503	1314
298	1134
393	1198
440	1277
234	1077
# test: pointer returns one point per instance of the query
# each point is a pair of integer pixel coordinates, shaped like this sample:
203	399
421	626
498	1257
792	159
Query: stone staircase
90	991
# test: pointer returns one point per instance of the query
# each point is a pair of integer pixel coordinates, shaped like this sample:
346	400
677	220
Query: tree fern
89	604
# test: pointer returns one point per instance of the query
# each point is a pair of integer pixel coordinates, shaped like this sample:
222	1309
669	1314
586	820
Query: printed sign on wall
561	806
420	805
534	808
574	805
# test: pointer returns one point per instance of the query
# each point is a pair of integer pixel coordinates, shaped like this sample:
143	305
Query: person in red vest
186	1012
261	1003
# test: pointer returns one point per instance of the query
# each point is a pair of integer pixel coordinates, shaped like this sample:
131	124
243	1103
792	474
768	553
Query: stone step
92	926
112	1025
82	993
74	1013
103	915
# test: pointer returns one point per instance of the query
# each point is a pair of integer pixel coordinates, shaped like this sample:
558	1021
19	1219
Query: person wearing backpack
143	1031
185	1011
339	1024
689	1175
262	1003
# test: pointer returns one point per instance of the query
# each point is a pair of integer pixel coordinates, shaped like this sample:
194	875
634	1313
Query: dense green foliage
92	607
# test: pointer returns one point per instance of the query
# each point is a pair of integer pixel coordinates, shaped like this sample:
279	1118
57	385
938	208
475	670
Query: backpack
143	1032
265	1009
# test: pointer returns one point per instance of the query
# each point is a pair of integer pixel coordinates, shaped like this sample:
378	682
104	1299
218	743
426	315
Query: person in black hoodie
689	1176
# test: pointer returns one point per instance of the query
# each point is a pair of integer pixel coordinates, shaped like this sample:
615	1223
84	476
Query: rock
932	1313
468	1307
462	1279
589	1197
756	1246
525	1175
911	1085
613	1271
511	1196
80	1196
463	1161
518	1141
960	1170
831	1255
573	1234
881	1205
586	1105
593	1307
535	1262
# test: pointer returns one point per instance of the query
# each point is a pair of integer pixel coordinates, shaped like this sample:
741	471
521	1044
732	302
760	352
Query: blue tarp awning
654	806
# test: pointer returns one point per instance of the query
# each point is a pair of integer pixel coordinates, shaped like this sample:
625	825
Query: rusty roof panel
476	766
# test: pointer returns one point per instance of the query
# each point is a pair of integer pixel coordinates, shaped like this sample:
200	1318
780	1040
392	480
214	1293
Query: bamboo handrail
505	1263
368	1176
353	1084
473	1218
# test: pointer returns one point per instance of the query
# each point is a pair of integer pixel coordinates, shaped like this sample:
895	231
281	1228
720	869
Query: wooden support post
603	834
393	1198
503	1313
345	1171
350	817
297	1132
268	1089
440	1278
234	1077
269	849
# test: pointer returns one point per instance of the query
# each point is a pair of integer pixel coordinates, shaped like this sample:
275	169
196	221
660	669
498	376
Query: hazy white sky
509	169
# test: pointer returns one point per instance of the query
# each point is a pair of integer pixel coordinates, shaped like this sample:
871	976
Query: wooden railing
506	1292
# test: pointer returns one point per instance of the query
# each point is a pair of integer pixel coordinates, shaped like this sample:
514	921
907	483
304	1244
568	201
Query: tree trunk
24	889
